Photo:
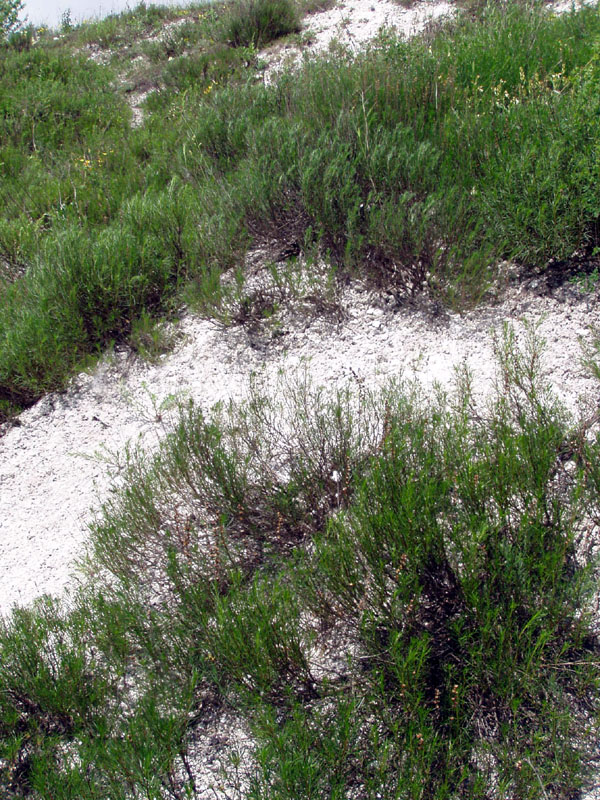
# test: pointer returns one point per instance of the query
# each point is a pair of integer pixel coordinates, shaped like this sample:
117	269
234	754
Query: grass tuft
255	23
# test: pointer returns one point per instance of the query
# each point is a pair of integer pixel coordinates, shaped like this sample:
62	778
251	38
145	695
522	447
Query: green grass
443	559
421	163
258	22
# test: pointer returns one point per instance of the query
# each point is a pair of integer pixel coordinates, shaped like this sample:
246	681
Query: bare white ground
50	478
562	6
355	22
352	24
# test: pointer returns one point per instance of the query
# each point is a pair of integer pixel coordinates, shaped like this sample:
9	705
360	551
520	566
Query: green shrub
395	595
455	576
255	23
208	69
91	287
50	689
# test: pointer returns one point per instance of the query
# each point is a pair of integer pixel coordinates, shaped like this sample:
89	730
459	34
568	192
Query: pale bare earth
352	24
49	477
53	466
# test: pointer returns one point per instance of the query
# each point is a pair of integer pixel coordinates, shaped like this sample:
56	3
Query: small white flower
335	476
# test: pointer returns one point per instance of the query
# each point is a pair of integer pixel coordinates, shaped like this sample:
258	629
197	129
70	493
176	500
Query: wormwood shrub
92	286
49	692
459	573
53	99
416	165
64	684
257	22
209	68
392	591
243	485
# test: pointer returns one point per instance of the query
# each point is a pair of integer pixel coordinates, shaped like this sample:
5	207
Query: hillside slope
214	500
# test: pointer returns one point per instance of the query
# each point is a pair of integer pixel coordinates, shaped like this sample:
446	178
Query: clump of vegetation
416	165
392	592
257	22
9	17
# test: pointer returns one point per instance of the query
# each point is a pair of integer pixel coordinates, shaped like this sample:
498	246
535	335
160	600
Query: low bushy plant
255	23
394	594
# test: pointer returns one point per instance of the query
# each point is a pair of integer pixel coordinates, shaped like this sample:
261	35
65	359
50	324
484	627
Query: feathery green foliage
420	163
394	596
257	22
